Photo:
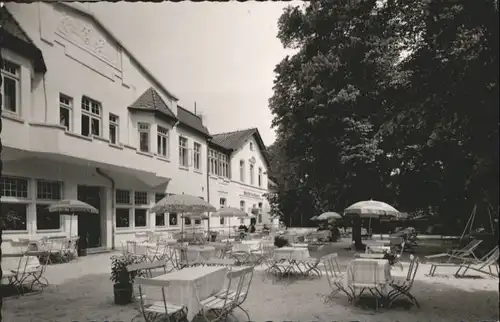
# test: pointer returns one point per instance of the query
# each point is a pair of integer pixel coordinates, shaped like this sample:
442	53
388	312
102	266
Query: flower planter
123	293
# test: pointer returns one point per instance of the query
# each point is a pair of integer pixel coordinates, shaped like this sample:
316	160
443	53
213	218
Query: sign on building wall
252	194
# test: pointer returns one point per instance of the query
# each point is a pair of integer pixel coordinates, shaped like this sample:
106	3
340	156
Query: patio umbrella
70	206
329	215
371	209
229	212
182	204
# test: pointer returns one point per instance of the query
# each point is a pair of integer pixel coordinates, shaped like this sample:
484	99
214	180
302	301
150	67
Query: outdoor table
370	255
377	249
365	275
294	256
291	253
191	285
322	234
300	245
200	252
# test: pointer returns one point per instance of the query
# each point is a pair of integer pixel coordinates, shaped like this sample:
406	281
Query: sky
219	55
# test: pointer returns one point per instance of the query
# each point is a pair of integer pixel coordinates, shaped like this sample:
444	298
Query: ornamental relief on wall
87	36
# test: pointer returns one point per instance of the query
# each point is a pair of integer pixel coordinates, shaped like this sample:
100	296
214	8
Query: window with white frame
251	146
114	126
131	209
143	129
140	208
222	204
65	111
46	193
242	171
218	163
183	152
225	165
10	86
197	156
14	203
251	174
260	213
242	205
91	117
172	219
160	218
212	154
259	178
162	141
123	208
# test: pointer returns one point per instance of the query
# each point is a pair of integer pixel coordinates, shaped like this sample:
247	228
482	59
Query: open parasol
329	215
229	212
371	209
70	207
182	204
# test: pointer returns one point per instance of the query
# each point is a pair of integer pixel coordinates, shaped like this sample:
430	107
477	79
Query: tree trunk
356	233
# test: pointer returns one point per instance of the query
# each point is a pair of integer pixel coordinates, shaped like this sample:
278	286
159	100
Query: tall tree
327	96
444	122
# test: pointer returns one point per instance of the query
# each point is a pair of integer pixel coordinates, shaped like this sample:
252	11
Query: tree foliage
394	100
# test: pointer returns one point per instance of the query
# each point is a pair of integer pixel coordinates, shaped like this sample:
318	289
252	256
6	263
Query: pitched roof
191	120
234	140
151	101
10	25
91	15
15	38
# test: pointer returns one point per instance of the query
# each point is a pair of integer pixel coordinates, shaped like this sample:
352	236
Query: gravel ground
81	291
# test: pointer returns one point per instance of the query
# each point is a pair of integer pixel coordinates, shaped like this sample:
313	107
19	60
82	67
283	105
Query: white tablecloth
200	252
300	245
291	253
246	246
377	249
368	271
186	283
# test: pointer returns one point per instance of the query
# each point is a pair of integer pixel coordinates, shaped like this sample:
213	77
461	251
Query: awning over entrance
59	167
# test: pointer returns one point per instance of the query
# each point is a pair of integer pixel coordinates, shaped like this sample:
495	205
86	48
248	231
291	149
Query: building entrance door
89	225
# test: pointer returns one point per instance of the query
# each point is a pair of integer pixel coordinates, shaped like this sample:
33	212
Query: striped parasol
70	207
182	204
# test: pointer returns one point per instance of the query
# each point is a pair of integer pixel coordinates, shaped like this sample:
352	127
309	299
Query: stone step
98	250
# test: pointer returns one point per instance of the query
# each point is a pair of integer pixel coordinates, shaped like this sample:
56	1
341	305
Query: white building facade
238	167
83	119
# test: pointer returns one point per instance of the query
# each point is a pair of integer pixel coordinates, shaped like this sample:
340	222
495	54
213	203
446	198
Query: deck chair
233	296
463	254
484	262
154	304
488	260
334	276
403	288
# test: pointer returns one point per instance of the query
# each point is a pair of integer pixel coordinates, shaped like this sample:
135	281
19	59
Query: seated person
252	229
243	227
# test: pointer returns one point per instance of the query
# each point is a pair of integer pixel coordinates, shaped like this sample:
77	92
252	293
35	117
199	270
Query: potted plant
122	279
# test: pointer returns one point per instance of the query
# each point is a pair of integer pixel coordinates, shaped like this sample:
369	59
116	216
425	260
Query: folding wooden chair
154	304
403	288
334	276
233	296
